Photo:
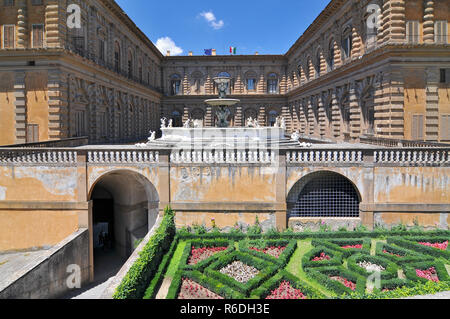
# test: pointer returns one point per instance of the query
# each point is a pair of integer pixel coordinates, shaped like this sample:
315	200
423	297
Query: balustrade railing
328	156
223	156
123	157
325	156
38	156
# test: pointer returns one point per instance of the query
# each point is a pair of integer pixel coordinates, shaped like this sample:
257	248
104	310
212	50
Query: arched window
177	119
250	81
272	118
175	84
197	82
331	53
324	194
272	83
140	71
347	42
117	56
318	63
130	64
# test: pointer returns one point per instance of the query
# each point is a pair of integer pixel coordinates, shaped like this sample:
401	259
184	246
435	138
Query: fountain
193	134
222	104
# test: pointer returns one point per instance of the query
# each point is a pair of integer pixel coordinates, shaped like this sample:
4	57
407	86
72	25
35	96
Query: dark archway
125	208
324	195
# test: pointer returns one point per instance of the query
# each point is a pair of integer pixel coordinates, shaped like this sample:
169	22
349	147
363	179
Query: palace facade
341	80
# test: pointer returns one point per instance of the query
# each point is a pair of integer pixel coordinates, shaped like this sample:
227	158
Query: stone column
22	29
428	22
20	95
432	105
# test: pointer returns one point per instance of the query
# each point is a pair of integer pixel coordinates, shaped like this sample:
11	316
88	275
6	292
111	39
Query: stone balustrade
329	156
325	156
38	156
422	157
223	156
122	157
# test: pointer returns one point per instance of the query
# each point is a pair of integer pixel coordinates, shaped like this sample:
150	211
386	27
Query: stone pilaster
238	116
262	85
335	116
287	114
22	29
432	105
428	22
209	116
54	27
58	105
20	103
355	114
379	102
397	104
262	115
394	21
322	116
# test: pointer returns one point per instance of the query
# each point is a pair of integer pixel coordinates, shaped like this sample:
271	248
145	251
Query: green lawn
295	267
176	259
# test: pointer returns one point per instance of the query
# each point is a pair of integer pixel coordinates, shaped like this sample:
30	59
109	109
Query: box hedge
136	281
322	276
390	272
282	260
336	258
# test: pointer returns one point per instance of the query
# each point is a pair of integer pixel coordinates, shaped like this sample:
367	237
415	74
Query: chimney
168	53
190	53
214	52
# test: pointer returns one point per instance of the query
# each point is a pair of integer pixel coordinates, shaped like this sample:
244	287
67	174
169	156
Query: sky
263	26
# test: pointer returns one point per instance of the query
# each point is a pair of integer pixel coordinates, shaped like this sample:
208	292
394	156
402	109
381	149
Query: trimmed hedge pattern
336	258
343	262
412	243
264	290
323	274
391	271
410	270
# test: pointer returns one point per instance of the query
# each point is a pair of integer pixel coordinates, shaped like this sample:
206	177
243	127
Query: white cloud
167	44
211	19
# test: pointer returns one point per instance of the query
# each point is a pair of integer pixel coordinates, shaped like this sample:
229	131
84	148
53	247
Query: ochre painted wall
426	220
35	229
223	184
37	102
38	184
7	109
422	185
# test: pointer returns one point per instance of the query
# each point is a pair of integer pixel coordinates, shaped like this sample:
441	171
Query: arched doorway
125	208
324	194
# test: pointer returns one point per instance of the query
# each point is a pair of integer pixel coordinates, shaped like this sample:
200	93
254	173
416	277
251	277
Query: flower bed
240	271
286	291
441	246
392	254
200	254
413	243
352	247
370	267
347	283
192	290
321	257
271	251
429	274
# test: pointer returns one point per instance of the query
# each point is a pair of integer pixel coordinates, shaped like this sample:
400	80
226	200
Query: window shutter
445	127
417	127
440	31
8	37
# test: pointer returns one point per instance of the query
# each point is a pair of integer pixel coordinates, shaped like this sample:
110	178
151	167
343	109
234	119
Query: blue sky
269	27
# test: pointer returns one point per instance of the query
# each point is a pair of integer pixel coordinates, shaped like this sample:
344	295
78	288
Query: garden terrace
295	274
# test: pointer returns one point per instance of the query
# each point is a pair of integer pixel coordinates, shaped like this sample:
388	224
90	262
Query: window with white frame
9	31
412	31
441	31
417	127
37	35
347	42
272	83
445	127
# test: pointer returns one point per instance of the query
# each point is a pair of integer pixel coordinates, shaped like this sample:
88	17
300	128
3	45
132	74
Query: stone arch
126	205
324	194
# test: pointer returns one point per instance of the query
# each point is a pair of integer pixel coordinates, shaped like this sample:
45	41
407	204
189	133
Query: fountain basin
222	102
